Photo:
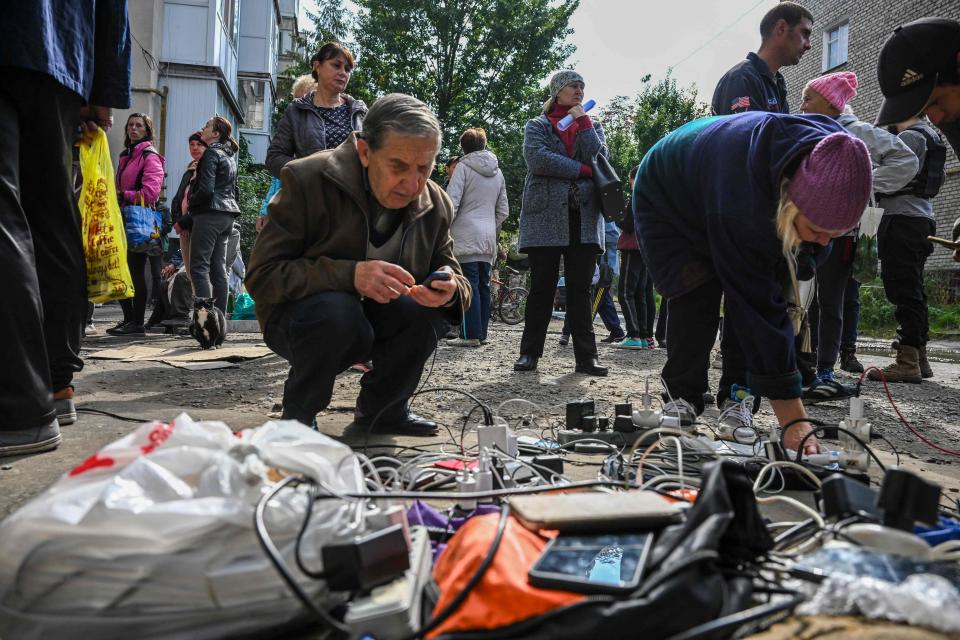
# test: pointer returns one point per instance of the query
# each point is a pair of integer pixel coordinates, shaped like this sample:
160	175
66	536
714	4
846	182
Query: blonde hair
787	213
302	86
549	105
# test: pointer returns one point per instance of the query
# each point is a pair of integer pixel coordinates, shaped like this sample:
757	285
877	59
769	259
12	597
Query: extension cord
646	417
393	610
856	422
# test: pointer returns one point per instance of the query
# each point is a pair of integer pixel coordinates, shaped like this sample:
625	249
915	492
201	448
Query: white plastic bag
153	536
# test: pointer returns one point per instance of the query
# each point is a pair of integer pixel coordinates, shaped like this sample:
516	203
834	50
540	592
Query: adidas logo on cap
909	77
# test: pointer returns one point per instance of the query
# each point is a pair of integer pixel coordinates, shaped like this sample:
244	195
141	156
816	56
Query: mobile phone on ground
436	275
591	564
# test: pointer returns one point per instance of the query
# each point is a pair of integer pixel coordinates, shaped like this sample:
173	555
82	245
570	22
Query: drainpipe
162	92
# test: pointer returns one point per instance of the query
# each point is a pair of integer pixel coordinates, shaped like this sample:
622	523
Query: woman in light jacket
560	218
138	180
479	194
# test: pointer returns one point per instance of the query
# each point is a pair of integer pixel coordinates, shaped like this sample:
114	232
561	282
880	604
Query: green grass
876	313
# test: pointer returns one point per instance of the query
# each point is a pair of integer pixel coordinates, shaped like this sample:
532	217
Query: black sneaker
410	425
130	328
115	329
614	337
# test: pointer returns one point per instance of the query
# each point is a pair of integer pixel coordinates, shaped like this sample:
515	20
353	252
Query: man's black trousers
323	334
44	298
903	248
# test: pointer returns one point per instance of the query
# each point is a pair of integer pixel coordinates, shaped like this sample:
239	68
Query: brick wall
870	25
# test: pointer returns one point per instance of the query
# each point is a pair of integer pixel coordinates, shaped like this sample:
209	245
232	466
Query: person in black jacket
180	205
321	119
756	84
212	207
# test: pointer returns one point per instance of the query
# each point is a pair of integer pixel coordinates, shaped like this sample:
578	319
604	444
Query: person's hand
576	111
439	293
261	220
93	117
956	255
796	433
180	230
381	281
167	271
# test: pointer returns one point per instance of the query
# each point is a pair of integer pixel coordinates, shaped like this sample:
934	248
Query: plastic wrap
153	536
922	599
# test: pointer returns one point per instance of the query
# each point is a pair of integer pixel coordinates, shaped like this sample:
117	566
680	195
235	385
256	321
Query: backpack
928	181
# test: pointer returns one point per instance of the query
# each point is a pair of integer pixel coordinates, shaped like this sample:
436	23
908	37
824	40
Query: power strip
616	438
393	610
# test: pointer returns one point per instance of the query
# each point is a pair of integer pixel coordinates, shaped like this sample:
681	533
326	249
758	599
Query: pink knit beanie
838	88
831	187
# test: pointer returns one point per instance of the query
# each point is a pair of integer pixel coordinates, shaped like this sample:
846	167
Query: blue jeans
477	317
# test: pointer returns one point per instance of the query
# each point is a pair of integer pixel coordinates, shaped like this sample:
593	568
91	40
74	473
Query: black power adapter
366	561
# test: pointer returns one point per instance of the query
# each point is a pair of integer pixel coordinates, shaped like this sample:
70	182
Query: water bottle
567	120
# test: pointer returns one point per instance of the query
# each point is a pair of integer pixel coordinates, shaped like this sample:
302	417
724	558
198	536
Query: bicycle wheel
513	305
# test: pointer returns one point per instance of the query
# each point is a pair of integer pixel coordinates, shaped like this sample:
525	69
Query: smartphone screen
608	563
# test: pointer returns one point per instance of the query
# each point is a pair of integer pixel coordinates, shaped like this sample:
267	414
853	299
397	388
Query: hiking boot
925	370
614	337
736	420
631	343
464	342
16	442
66	409
849	362
905	369
682	409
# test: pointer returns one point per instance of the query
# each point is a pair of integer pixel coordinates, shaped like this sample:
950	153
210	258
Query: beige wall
146	21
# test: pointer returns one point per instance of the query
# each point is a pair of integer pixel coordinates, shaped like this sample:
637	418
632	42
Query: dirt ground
246	394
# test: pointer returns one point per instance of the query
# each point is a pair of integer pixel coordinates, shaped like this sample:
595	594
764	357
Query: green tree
252	184
475	62
632	127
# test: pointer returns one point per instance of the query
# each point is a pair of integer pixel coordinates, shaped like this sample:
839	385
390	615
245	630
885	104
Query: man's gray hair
402	114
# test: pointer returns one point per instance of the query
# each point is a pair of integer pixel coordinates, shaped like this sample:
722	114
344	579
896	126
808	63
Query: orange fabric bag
503	596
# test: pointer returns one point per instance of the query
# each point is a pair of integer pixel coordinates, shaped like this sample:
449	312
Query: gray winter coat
543	216
301	131
479	195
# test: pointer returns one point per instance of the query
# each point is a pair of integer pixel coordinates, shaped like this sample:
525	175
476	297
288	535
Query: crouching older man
334	275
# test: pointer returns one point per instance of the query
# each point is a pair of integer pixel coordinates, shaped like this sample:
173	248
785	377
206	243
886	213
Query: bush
877	314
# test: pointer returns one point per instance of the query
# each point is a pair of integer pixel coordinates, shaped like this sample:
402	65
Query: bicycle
510	302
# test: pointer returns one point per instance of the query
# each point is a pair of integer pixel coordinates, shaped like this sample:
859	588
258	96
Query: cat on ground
209	325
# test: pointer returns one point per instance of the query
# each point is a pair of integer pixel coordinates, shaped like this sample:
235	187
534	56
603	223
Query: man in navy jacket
65	62
756	84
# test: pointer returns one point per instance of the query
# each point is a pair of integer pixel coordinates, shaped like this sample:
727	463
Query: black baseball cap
918	56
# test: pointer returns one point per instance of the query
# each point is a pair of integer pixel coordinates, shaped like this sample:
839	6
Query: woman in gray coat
561	218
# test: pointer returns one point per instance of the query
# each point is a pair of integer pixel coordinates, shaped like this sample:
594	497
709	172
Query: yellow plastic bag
104	239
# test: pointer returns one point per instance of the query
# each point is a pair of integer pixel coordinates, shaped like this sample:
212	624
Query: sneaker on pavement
631	343
129	329
736	420
14	442
116	328
682	409
66	409
464	342
614	337
90	329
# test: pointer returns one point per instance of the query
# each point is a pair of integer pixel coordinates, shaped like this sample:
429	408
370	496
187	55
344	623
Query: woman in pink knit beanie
829	94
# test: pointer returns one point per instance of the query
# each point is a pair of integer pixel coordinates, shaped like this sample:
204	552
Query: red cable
906	423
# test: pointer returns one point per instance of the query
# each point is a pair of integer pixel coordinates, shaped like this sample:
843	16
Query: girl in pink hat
894	165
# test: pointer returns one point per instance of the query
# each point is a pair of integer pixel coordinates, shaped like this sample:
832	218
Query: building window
835	46
231	24
252	103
